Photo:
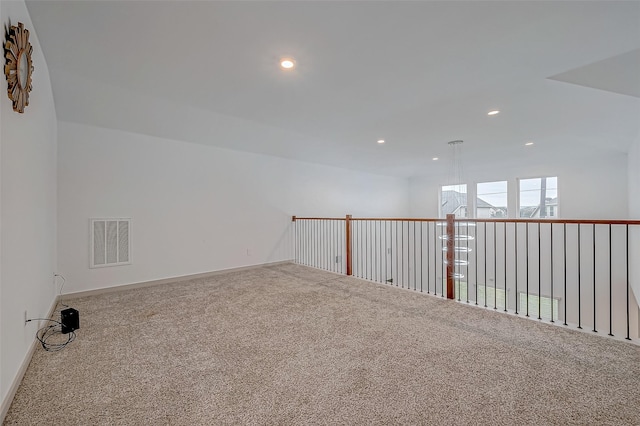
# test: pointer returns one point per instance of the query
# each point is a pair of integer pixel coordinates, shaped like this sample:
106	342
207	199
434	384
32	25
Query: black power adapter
70	319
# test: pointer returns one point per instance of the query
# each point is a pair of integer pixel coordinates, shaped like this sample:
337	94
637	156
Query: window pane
453	200
547	306
539	197
491	200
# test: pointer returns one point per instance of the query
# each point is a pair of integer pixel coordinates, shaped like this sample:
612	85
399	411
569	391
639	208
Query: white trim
122	287
17	380
468	209
518	191
475	199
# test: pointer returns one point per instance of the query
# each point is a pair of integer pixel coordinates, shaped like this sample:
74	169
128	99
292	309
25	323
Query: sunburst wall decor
18	66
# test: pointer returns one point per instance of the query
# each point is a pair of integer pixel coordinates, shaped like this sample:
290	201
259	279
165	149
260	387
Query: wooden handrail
371	243
568	221
498	220
450	222
411	219
401	219
294	218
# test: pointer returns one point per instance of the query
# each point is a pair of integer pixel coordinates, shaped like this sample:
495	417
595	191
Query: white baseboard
117	288
15	384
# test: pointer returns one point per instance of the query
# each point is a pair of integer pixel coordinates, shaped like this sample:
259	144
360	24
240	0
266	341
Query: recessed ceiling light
494	112
380	141
529	143
435	158
287	63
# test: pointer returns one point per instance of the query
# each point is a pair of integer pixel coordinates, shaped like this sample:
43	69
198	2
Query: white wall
27	209
587	188
195	208
634	179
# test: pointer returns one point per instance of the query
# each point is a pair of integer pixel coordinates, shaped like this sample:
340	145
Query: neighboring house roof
453	200
528	211
480	203
532	211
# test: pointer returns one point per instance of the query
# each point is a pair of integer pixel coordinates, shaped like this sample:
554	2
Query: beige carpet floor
286	344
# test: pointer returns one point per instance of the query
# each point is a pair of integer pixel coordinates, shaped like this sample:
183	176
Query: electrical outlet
26	317
248	252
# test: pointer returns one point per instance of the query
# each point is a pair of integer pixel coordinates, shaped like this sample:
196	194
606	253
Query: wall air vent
110	242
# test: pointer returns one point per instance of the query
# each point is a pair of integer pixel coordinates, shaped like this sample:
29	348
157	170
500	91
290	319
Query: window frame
519	198
477	195
467	207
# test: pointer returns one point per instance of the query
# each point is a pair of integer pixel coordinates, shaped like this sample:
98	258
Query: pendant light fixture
458	192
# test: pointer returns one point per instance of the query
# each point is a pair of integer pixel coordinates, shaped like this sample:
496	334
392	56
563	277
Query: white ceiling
417	74
619	74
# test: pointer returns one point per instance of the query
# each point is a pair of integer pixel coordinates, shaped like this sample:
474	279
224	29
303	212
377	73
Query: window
491	200
544	305
538	198
453	200
495	296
